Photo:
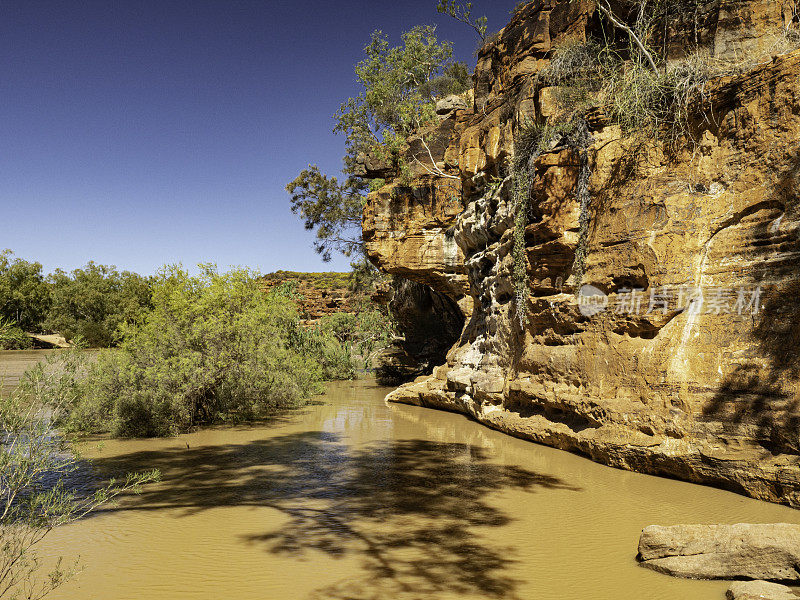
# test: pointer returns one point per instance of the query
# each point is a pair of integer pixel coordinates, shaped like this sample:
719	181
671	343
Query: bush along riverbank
214	349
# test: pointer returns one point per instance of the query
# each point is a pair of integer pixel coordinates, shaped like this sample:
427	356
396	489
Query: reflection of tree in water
410	509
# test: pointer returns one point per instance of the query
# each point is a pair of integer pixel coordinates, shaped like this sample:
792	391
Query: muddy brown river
351	498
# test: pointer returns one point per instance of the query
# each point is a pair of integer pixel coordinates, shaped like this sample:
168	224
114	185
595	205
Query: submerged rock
759	590
761	551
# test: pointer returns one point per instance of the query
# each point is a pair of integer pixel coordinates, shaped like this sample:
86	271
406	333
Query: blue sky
144	132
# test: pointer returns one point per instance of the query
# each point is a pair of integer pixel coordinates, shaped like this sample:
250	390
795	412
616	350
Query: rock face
429	323
765	551
49	341
759	590
447	105
703	390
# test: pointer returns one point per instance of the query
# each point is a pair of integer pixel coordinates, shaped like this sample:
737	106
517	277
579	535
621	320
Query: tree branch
436	170
606	10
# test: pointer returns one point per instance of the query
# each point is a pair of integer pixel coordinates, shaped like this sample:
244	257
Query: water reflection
353	498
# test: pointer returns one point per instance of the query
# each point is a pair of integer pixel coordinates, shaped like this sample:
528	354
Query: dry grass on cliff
788	40
643	103
647	104
654	106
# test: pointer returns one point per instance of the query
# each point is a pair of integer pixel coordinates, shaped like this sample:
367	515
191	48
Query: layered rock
764	551
704	395
319	294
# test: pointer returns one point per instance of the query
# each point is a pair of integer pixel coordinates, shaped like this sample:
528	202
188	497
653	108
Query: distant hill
323	293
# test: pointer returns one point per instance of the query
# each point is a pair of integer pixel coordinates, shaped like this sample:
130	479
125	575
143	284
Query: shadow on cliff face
759	395
429	323
408	510
762	396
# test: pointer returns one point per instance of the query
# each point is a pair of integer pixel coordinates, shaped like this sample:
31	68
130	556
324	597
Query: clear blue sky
142	132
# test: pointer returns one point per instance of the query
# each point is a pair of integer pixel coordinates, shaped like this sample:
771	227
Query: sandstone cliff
706	390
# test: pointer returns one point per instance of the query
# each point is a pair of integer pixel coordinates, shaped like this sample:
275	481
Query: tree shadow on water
411	511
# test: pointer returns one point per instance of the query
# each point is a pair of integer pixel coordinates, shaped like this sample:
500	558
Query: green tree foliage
214	348
12	337
24	293
399	88
93	302
333	209
463	12
35	492
399	85
363	334
364	277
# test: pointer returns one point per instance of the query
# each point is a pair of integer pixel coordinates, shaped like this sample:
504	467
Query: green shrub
213	349
12	337
376	184
333	356
340	325
362	334
38	483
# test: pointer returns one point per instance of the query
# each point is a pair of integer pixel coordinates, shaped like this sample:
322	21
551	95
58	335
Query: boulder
762	551
449	104
759	590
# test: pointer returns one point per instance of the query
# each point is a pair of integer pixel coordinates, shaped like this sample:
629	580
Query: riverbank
352	497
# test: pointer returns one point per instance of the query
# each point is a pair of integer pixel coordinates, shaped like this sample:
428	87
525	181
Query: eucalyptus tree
399	87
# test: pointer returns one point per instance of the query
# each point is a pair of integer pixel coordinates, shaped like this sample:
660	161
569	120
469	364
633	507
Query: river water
351	498
13	364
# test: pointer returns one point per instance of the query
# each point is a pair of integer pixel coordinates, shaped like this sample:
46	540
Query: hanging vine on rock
527	148
529	144
579	142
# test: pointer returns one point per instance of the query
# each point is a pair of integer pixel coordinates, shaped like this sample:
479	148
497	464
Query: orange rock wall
703	394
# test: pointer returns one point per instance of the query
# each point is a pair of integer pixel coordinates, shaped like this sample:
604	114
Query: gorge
582	254
705	391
